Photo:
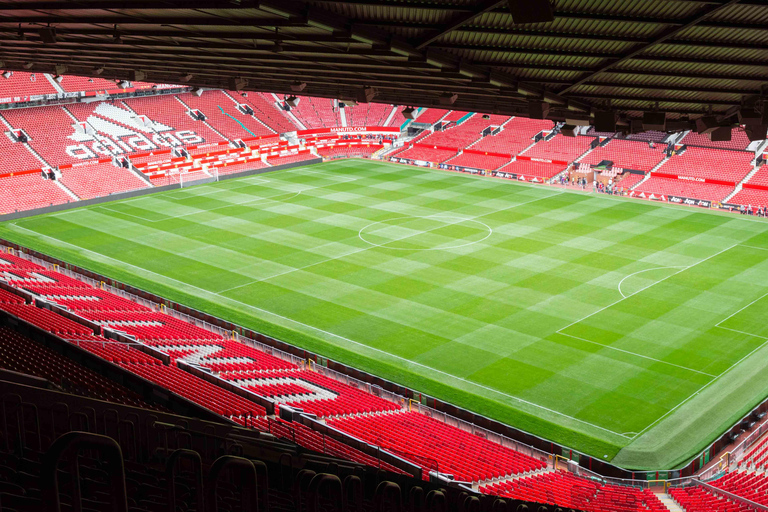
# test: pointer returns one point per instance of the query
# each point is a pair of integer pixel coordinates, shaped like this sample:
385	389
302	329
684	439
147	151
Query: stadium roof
677	56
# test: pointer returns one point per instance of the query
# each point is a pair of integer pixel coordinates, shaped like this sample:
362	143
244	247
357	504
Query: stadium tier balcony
22	85
697	499
627	154
739	140
560	147
530	169
430	115
478	161
464	134
454	115
29	191
714	164
683	188
222	113
265	109
516	135
427	154
97	179
168	111
437	446
21	354
85	84
567	490
649	136
16	156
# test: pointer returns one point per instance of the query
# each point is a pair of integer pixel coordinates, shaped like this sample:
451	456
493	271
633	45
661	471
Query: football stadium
370	255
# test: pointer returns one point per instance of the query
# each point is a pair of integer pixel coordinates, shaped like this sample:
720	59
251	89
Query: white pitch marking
636	354
640	272
385	246
646	287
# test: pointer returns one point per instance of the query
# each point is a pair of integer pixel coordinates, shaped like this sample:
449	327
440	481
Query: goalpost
197	176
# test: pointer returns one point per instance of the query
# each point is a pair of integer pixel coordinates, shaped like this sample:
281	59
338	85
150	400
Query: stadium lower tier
682	188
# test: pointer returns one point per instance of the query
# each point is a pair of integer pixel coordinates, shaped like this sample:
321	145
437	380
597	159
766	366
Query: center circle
430	233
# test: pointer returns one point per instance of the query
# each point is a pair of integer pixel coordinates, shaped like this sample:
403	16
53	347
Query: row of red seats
149	325
561	148
200	391
28	192
46	319
427	154
464	134
222	113
308	438
266	110
211	352
757	457
683	188
516	135
568	490
113	351
752	486
100	179
22	277
342	399
10	260
85	299
419	437
739	140
697	499
717	164
7	297
474	161
21	354
627	154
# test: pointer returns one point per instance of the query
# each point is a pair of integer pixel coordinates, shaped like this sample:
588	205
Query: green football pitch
633	331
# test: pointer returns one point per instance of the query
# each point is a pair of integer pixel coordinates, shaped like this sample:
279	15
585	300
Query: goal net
197	177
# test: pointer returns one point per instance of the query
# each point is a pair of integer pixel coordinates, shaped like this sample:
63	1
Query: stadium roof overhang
677	56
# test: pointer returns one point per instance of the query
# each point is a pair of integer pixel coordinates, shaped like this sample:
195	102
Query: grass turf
628	330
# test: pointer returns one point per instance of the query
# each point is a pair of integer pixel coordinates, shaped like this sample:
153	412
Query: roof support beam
669	34
461	19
